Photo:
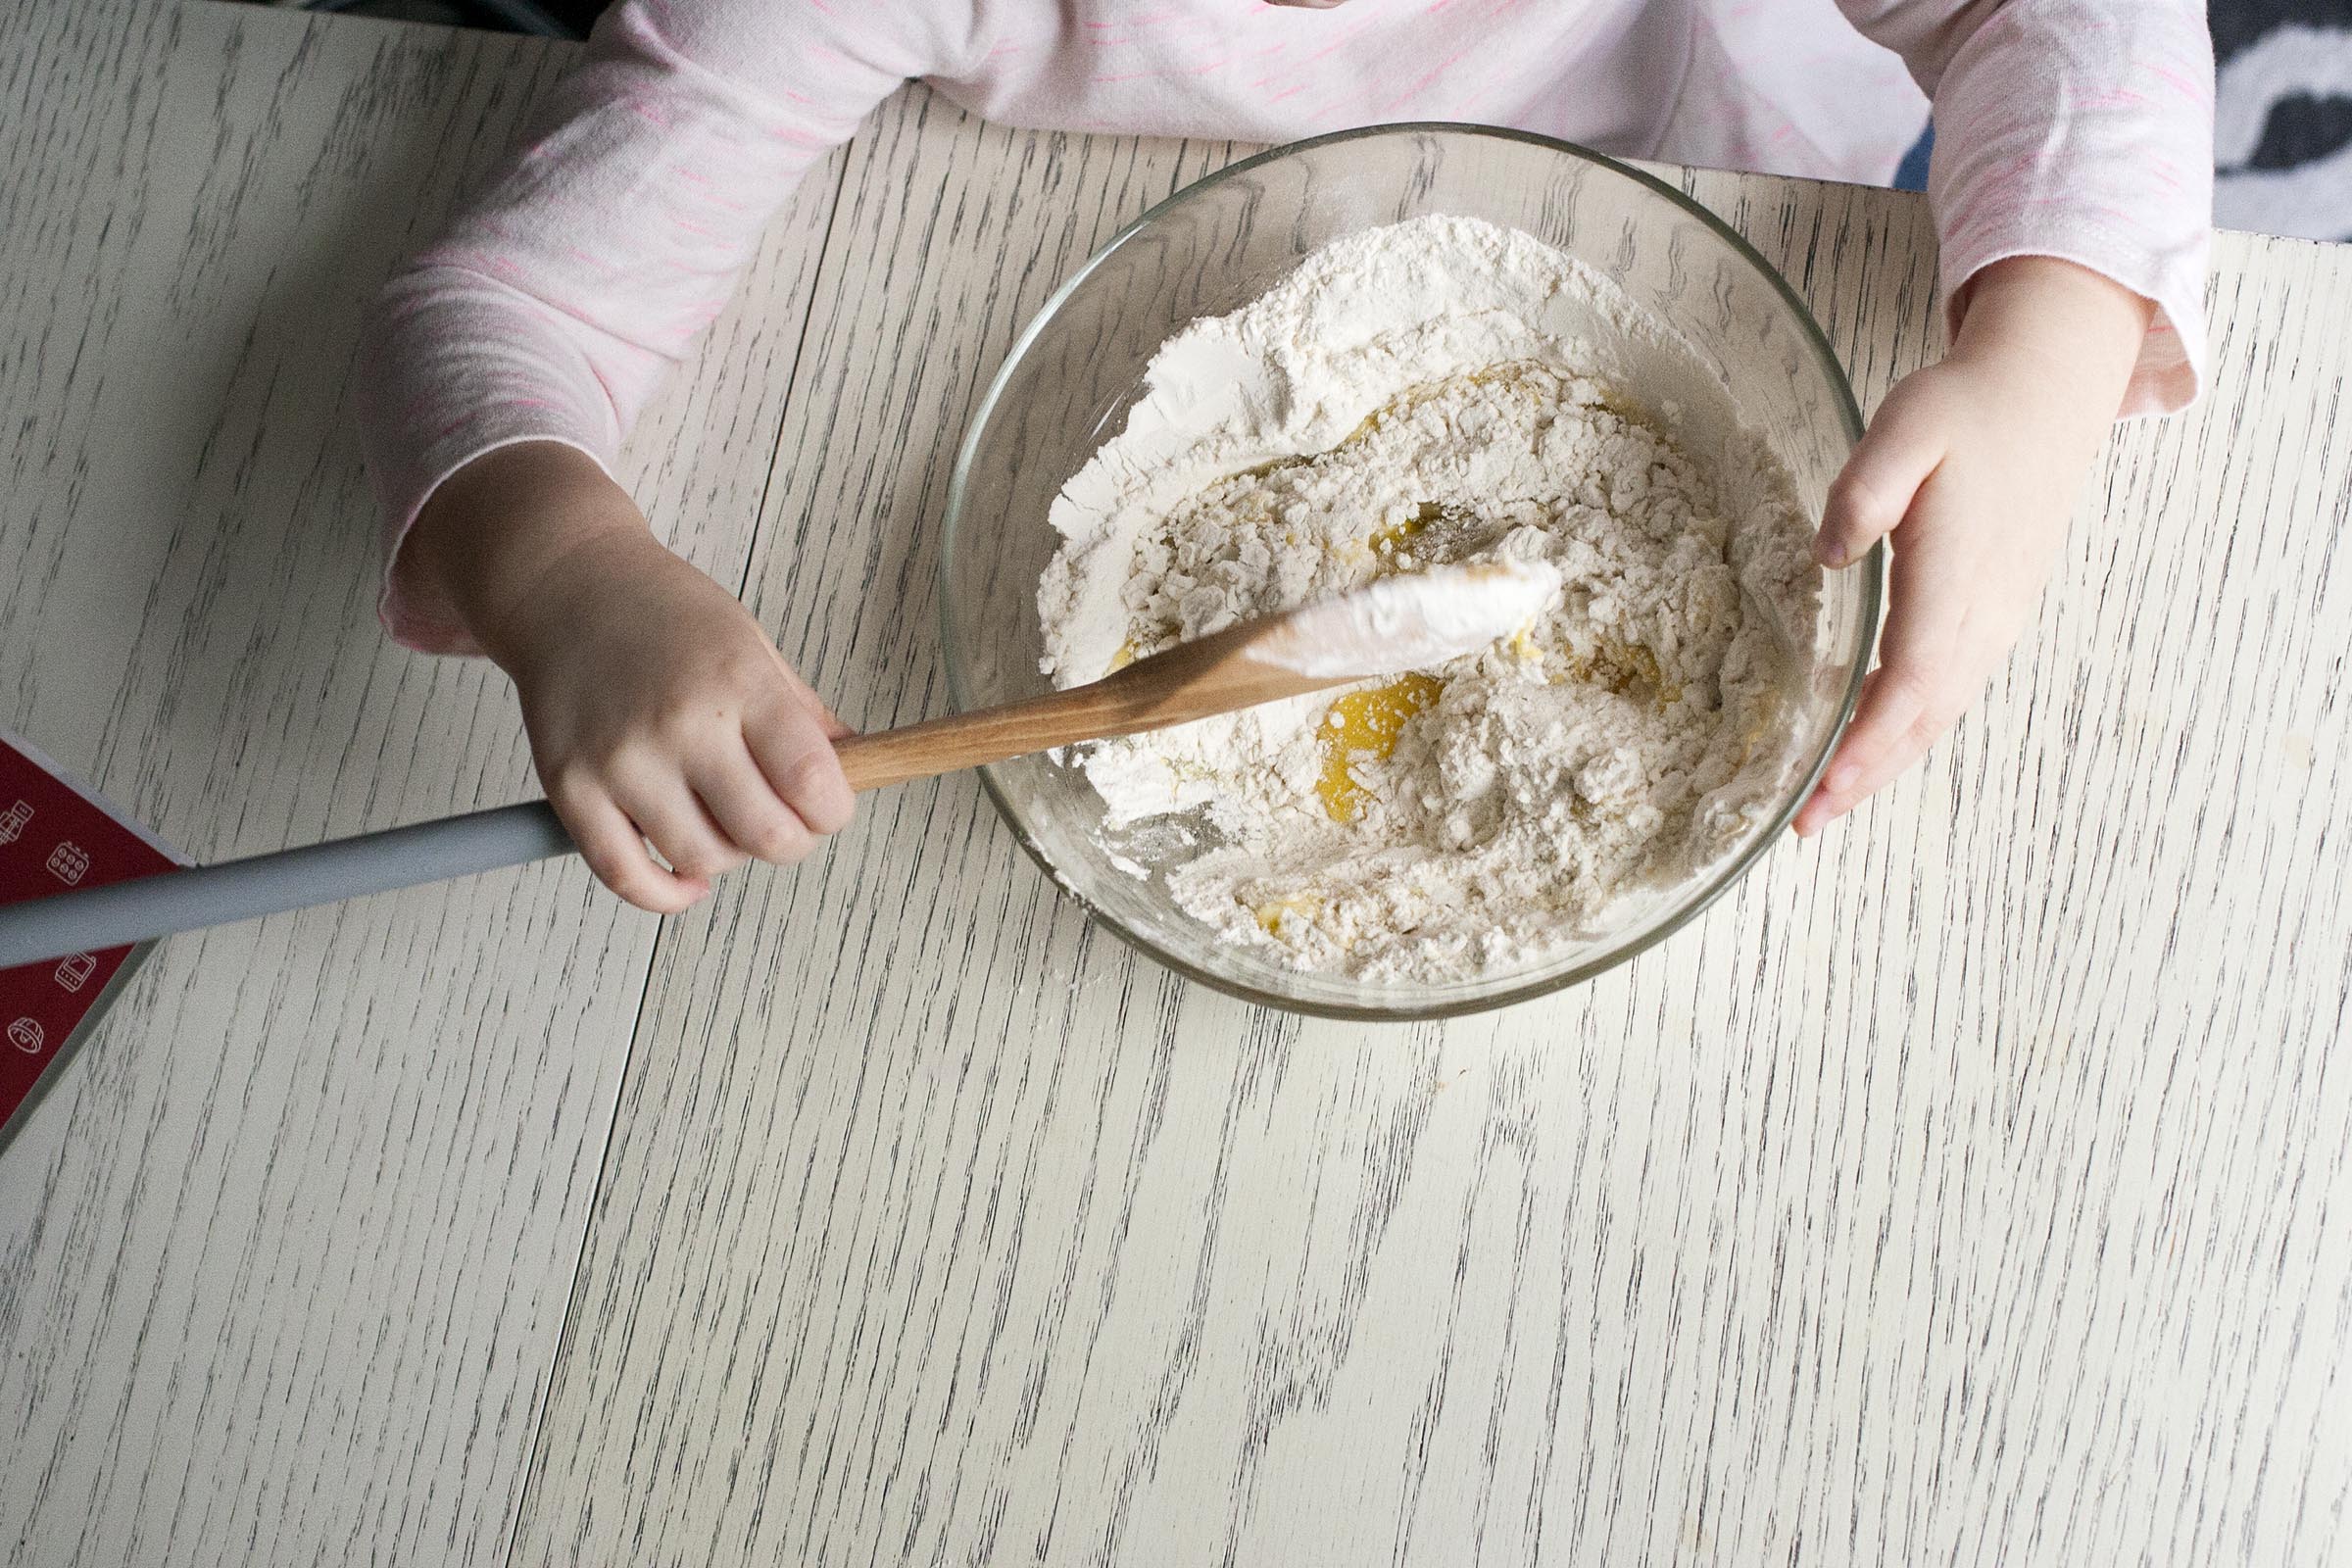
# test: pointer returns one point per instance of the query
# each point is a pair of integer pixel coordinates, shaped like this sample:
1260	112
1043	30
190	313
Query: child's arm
2072	186
504	365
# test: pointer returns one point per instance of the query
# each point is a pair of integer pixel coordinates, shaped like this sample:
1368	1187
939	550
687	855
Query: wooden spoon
1398	623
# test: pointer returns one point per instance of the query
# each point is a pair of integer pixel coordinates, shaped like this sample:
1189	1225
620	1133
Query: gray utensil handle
122	912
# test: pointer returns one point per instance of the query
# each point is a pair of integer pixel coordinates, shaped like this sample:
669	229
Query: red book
56	834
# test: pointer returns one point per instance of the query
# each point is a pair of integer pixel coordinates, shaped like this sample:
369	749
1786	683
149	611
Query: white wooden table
1972	1189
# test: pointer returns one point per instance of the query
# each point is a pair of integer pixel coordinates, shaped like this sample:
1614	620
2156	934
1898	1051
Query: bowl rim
1873	565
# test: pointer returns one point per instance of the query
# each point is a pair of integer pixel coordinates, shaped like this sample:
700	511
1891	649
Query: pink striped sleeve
561	295
2080	129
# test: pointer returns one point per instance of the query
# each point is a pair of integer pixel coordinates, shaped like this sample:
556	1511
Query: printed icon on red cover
75	970
25	1035
67	862
13	821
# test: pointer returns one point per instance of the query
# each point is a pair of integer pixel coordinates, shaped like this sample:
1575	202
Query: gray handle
409	856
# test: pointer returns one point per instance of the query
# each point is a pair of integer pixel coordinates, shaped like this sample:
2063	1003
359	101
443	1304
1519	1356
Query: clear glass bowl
1214	246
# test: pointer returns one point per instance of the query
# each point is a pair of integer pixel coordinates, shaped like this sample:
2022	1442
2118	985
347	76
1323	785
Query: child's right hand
657	711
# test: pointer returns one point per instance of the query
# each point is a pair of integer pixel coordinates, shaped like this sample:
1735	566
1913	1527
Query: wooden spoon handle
1187	682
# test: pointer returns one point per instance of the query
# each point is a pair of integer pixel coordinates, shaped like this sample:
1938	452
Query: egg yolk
1366	724
1387	544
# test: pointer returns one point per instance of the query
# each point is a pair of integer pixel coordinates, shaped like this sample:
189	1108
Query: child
2070	181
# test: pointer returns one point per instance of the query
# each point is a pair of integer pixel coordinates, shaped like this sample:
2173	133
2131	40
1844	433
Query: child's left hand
1974	466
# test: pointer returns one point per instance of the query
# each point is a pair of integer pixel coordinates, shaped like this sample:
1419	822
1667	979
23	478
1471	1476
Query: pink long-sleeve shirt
2074	128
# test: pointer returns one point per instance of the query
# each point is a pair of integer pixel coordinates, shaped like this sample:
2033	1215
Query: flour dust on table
1440	391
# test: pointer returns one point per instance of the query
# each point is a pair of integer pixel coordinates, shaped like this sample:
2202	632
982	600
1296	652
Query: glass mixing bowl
1218	244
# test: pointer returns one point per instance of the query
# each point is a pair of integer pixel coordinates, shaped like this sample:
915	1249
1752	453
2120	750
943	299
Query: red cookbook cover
57	834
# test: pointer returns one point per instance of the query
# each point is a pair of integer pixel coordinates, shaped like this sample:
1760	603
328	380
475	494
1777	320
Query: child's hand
659	710
657	707
1974	464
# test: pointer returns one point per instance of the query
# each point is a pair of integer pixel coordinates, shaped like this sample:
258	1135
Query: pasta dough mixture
1436	392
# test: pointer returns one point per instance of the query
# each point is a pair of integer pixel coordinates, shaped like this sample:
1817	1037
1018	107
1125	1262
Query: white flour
1413	621
1436	391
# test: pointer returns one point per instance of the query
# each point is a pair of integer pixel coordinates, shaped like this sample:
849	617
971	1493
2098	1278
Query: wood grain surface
1956	1191
284	1256
1968	1188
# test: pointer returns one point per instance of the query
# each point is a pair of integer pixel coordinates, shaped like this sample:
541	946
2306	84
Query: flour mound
1440	391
